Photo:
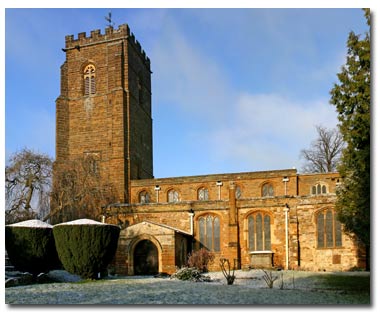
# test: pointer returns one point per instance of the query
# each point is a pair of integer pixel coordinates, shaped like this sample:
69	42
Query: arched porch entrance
145	258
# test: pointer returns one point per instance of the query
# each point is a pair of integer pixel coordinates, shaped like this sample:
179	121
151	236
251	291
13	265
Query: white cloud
267	131
247	131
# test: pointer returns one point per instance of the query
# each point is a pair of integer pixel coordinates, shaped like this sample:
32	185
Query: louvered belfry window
89	80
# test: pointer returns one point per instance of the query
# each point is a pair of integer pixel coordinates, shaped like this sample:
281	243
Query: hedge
86	247
30	246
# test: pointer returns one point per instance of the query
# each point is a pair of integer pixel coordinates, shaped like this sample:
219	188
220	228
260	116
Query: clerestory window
144	197
267	190
203	193
173	196
319	189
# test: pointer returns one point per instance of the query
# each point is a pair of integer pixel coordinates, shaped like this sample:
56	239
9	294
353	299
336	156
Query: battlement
111	34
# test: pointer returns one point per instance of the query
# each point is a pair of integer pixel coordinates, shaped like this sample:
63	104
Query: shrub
200	259
86	247
190	274
226	270
30	246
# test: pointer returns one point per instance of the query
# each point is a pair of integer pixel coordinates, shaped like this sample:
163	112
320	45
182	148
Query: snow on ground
291	287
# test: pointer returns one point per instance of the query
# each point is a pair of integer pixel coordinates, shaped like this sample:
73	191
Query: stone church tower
104	107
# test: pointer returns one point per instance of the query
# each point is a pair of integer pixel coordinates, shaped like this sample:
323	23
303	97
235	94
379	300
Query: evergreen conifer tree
352	98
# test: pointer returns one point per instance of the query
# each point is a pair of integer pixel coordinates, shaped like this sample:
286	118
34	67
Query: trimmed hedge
86	247
30	246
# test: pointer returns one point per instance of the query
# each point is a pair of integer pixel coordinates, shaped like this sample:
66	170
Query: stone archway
145	258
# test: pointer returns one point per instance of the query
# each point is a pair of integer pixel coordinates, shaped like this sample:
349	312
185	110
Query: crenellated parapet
111	34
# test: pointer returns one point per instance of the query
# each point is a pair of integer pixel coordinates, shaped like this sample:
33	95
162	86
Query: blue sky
233	90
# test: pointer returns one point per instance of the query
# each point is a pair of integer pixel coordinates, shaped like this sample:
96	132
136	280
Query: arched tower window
89	80
259	232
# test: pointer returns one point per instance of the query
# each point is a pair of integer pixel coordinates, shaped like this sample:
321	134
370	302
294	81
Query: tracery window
329	230
209	232
203	193
267	190
89	80
319	189
259	232
173	196
144	197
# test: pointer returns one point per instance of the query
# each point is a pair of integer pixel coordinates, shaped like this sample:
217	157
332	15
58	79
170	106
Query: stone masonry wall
112	124
302	233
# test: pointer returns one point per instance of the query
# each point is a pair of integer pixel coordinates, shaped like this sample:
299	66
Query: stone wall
114	124
233	214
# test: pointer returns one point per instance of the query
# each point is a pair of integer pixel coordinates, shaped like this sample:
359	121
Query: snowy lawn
291	287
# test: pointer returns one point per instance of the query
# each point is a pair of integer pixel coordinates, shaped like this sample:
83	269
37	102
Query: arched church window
89	80
209	232
144	197
203	193
329	230
319	189
267	190
259	232
173	196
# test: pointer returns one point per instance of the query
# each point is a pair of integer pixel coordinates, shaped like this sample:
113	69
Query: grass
309	289
344	283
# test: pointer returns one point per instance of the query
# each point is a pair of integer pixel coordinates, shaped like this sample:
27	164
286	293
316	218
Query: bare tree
79	191
27	186
324	153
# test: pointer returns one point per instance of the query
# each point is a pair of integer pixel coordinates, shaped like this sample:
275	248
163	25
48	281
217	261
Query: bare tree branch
27	184
324	153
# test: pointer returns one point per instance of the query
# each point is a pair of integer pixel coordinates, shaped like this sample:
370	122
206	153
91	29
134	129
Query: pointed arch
89	79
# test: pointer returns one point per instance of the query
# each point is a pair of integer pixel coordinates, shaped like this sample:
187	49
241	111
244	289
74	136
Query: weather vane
109	20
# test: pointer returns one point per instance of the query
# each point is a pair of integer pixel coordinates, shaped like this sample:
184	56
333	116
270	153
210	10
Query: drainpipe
286	210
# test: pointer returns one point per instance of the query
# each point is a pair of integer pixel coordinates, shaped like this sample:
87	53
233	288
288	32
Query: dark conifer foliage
31	249
352	99
86	249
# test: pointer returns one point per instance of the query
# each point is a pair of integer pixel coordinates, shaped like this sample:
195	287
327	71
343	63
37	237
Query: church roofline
217	177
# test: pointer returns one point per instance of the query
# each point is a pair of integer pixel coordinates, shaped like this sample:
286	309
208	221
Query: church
260	219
